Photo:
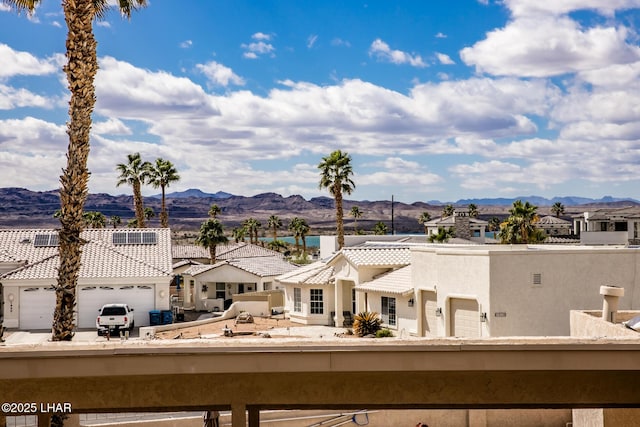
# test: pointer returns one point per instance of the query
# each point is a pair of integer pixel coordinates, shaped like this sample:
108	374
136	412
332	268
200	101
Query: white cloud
4	7
261	36
441	36
259	47
311	40
23	63
340	42
14	98
220	75
381	50
104	24
111	126
560	7
186	44
549	46
444	59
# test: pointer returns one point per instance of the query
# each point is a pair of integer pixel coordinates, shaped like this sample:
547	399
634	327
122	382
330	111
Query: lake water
312	241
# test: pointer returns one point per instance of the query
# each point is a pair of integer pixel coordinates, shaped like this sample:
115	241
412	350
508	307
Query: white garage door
36	307
429	313
465	318
91	298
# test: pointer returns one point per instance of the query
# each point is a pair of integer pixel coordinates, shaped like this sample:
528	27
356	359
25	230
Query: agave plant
366	323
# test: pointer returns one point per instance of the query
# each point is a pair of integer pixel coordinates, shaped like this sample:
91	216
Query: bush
366	323
384	333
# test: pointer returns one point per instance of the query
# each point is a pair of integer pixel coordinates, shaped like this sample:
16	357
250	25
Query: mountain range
20	207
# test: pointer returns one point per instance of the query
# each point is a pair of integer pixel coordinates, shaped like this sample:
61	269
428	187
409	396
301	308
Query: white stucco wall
304	316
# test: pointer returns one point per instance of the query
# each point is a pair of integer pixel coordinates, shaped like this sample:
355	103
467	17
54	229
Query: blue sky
434	100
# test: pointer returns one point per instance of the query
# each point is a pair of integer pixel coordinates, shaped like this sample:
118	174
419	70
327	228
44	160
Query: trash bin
167	317
154	318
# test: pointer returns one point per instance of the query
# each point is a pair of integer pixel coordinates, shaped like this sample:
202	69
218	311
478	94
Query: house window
603	226
537	279
297	300
220	291
388	311
317	304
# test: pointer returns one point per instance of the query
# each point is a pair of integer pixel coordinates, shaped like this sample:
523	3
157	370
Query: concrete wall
604	238
590	324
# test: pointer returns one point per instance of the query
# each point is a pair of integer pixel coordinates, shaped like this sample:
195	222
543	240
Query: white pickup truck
114	318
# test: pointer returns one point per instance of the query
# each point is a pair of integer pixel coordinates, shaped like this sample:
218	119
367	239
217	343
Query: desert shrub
384	333
366	323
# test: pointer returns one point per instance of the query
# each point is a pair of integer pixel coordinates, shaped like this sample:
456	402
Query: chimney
462	223
611	295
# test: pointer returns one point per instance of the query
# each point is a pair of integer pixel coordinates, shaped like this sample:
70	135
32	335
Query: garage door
429	313
465	317
91	298
36	307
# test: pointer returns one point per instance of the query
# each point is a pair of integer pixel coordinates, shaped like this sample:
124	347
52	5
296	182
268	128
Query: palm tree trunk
212	254
304	246
164	217
339	216
138	204
81	68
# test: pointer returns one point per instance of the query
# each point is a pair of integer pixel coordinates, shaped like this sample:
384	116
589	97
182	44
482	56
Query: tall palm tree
355	213
211	235
148	214
473	210
239	233
557	209
448	210
424	218
274	223
135	173
519	226
443	235
214	210
302	230
115	220
335	175
81	68
252	226
161	174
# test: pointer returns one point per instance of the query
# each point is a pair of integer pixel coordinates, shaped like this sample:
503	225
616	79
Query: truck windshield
113	311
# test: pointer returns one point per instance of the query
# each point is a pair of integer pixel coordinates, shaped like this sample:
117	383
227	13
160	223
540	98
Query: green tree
277	245
519	226
557	209
161	174
356	213
239	233
80	70
252	226
94	219
443	235
149	213
274	223
494	223
303	229
448	210
380	229
214	211
473	210
132	223
115	220
335	175
211	235
135	173
423	219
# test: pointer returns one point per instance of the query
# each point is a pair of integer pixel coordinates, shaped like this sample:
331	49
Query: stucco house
466	227
610	226
131	266
309	293
554	226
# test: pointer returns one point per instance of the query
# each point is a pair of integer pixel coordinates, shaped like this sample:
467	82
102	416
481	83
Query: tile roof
394	282
552	220
317	273
377	255
225	251
261	266
100	257
451	222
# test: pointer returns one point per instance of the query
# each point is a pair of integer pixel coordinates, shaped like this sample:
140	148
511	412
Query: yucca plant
366	323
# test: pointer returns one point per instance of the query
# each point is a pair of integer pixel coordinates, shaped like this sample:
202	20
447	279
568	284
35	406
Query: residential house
465	226
131	266
608	226
309	293
554	226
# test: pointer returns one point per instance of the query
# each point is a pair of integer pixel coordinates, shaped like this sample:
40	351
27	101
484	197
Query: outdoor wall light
162	294
411	302
438	312
483	317
10	297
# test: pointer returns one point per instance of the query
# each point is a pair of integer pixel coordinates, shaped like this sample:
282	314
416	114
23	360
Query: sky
433	100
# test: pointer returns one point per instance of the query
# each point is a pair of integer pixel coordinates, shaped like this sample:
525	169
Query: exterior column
254	417
44	420
339	304
186	293
238	415
419	308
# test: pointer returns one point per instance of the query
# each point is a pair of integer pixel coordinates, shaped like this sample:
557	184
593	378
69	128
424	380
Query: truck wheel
133	324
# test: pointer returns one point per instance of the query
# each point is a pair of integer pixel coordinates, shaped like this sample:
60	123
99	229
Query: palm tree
335	175
302	230
115	221
148	214
294	227
239	233
557	209
519	227
380	229
443	235
252	226
211	235
274	223
135	173
448	210
81	68
95	219
494	223
214	210
424	218
355	213
473	210
161	175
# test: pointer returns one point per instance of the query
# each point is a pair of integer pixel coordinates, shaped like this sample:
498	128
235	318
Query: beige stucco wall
304	316
590	323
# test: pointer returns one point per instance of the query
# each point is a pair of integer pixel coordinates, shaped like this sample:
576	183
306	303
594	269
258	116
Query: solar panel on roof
135	238
149	238
44	240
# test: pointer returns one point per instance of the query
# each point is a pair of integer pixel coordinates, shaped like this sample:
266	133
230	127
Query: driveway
40	336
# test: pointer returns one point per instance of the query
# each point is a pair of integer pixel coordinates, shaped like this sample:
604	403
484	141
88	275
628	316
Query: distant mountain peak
195	192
